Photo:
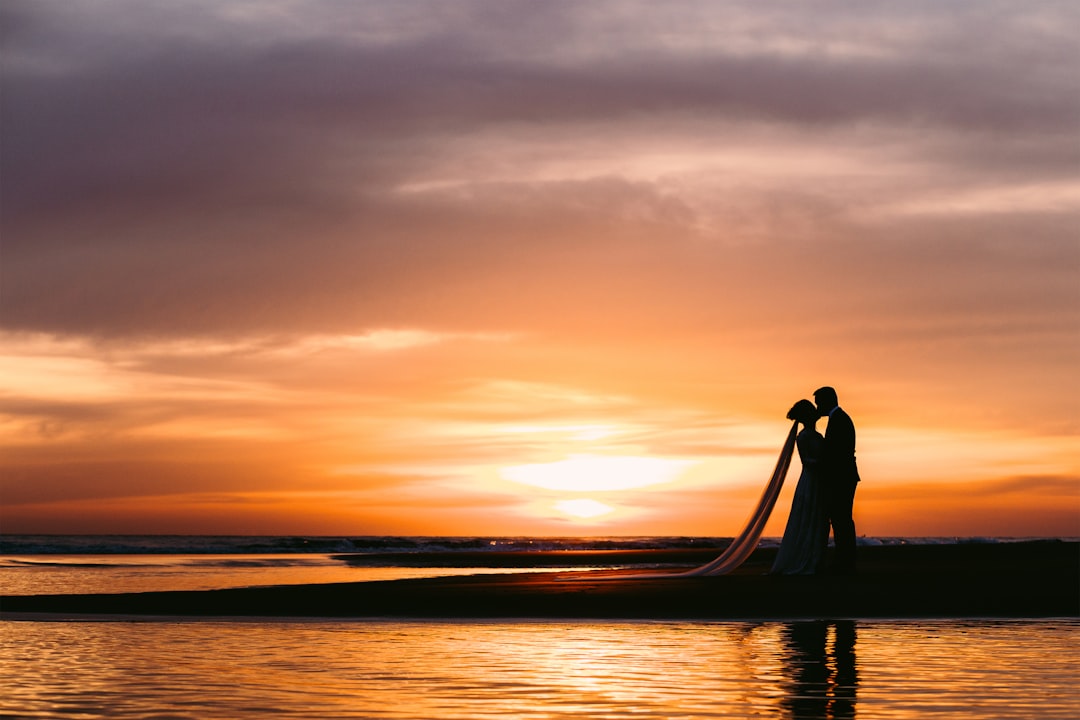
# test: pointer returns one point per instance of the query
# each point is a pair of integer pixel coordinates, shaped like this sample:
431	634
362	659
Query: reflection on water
820	660
435	670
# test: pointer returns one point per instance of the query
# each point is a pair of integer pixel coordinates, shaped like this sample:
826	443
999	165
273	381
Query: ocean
59	564
56	564
128	667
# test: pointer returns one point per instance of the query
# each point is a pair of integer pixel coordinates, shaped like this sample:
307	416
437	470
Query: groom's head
825	399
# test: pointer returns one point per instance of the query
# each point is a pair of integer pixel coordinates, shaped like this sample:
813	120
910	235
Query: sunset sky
534	268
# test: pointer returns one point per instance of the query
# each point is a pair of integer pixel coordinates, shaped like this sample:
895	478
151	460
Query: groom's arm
838	454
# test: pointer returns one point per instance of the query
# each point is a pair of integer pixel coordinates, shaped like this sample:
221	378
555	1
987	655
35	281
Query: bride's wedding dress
806	535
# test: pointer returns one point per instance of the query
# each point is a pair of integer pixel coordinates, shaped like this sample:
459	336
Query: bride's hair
804	411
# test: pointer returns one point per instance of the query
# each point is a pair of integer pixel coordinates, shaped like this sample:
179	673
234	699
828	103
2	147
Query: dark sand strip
1013	580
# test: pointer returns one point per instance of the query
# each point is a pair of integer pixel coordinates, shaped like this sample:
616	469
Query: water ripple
534	670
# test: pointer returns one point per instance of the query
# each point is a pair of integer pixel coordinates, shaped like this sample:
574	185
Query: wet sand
1007	580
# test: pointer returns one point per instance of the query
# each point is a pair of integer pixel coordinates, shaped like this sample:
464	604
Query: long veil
746	541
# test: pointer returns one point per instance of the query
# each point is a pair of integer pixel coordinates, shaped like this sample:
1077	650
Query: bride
807	532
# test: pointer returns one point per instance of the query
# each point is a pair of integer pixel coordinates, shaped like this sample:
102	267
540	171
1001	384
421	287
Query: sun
597	473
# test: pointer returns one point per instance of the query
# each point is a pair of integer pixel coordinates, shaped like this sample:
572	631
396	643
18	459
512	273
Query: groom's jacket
837	462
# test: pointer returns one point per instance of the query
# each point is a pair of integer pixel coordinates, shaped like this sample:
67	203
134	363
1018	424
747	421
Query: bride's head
805	412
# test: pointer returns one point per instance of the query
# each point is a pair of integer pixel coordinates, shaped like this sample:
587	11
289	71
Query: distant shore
1007	580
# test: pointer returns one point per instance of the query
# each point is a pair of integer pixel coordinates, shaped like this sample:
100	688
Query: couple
825	492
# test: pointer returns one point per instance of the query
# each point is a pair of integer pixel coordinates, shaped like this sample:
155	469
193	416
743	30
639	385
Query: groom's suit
839	476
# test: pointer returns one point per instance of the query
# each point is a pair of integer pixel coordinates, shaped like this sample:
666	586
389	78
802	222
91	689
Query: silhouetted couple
825	492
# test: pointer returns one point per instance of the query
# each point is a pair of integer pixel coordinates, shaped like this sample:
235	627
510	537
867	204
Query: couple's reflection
821	669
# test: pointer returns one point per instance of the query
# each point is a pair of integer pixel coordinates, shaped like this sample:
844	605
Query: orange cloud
355	275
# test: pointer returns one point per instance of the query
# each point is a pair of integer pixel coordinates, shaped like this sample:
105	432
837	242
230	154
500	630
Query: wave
274	545
285	545
170	560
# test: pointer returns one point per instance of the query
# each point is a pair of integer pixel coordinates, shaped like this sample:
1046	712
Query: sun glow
583	508
597	473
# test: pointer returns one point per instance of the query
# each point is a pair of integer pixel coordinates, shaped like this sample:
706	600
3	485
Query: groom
839	476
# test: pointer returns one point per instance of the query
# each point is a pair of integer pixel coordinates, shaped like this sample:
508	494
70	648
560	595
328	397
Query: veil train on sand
746	541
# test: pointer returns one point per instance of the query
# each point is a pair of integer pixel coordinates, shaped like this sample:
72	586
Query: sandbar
1030	579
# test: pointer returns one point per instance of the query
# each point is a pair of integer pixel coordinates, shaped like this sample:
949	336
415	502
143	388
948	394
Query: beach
1035	579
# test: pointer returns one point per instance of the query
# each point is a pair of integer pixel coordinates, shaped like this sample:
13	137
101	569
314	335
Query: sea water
67	564
72	564
202	670
79	574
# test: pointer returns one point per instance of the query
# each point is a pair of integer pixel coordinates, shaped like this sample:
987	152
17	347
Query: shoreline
1036	579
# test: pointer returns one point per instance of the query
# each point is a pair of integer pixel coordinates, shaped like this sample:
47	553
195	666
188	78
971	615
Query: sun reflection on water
811	669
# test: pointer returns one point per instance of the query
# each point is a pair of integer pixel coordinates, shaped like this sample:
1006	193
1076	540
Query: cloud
340	227
221	172
207	112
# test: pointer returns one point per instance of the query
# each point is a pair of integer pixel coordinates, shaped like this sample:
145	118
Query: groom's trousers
841	498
